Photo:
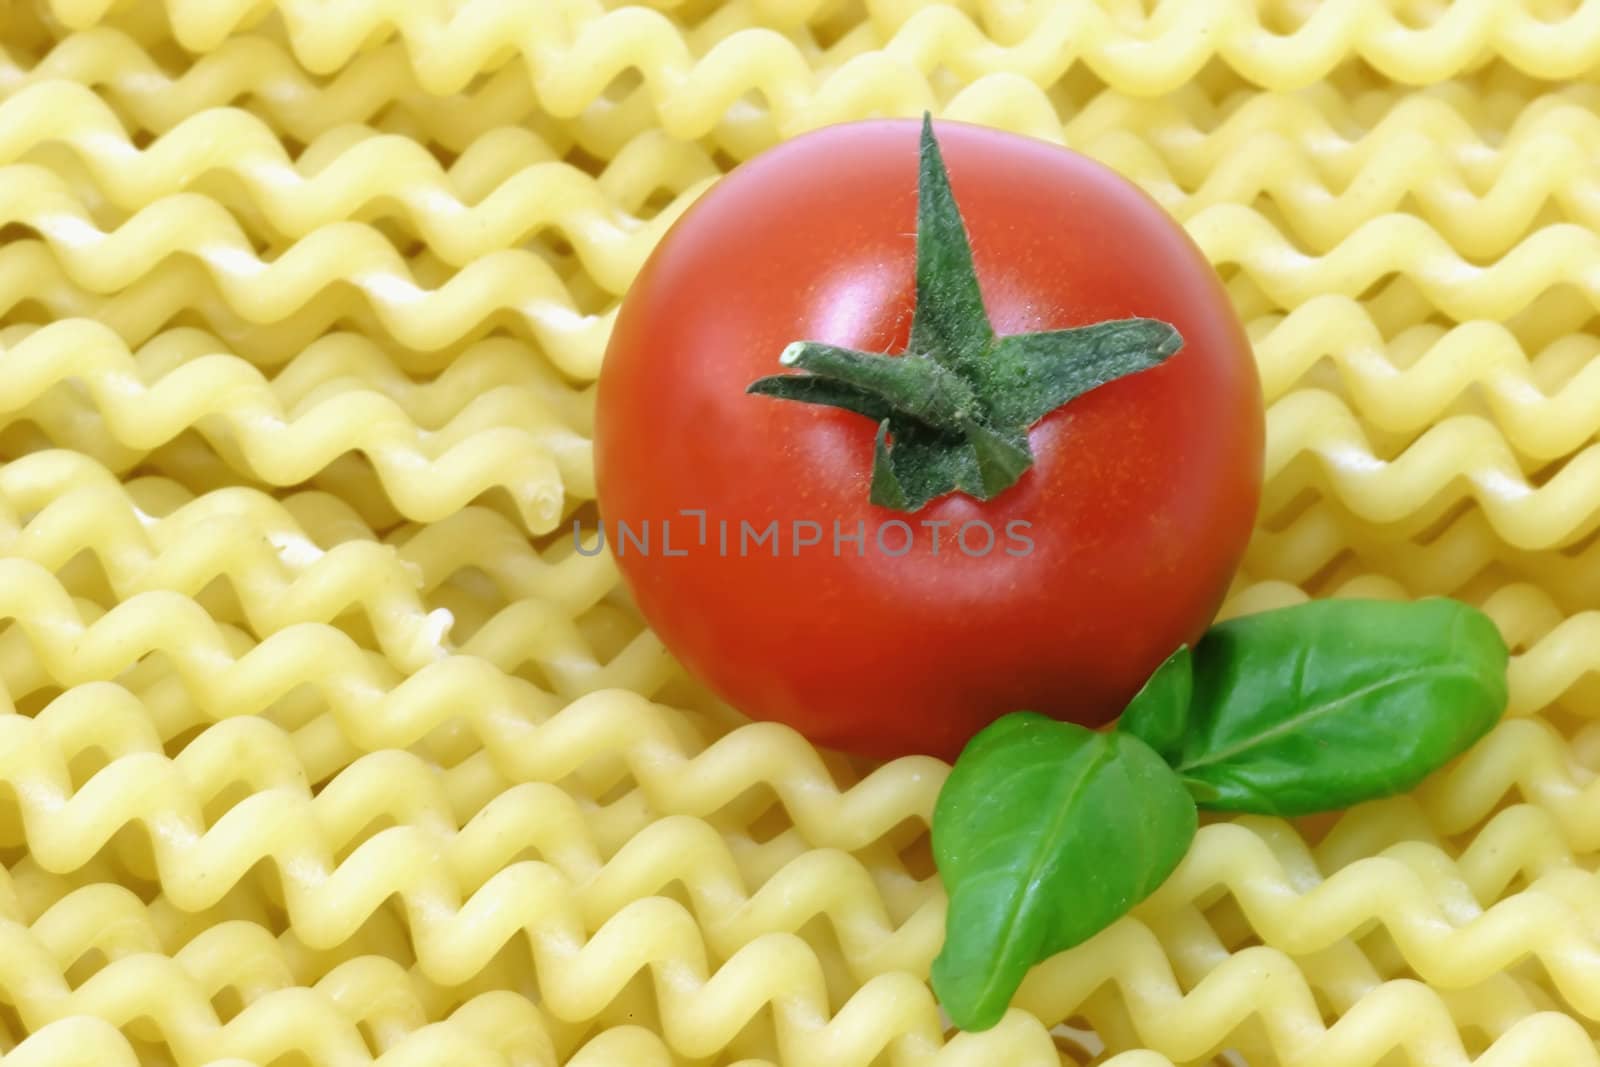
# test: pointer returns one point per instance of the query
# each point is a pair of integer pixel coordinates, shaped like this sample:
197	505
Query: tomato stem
954	409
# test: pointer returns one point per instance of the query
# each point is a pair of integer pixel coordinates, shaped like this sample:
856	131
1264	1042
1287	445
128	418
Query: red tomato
1137	508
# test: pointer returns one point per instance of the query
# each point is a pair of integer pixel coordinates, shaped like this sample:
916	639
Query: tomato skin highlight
1139	504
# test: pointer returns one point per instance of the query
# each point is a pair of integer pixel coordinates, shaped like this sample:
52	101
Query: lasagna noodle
319	740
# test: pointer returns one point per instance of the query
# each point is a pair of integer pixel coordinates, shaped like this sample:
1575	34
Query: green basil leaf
1333	702
1044	834
1159	712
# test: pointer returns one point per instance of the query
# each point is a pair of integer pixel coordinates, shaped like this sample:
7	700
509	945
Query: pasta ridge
1229	855
1461	456
341	873
362	577
1325	183
213	541
336	364
572	66
259	73
1400	1016
493	1029
501	438
1406	383
1448	561
503	204
89	1042
349	253
1396	244
266	1029
1187	135
139	519
267	322
529	733
1483	190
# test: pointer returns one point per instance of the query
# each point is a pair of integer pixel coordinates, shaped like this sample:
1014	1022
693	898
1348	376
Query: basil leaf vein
1333	702
1044	834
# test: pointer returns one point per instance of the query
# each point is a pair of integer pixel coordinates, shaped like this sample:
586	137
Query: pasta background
319	744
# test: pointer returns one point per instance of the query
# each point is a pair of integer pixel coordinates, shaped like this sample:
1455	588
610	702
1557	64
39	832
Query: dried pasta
318	741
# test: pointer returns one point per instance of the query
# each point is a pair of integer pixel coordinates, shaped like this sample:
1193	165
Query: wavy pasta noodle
319	742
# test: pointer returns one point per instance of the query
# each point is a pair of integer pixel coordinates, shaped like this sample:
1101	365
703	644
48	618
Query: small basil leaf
1159	712
1333	702
1044	834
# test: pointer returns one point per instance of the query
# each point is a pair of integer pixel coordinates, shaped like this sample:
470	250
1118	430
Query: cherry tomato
1060	594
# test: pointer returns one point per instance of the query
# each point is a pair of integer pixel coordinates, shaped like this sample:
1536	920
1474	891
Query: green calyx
954	409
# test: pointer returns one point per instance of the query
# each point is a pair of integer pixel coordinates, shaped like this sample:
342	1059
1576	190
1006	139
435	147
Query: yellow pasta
319	742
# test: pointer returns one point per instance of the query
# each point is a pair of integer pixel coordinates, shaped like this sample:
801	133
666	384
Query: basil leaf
1333	702
1159	712
1044	834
